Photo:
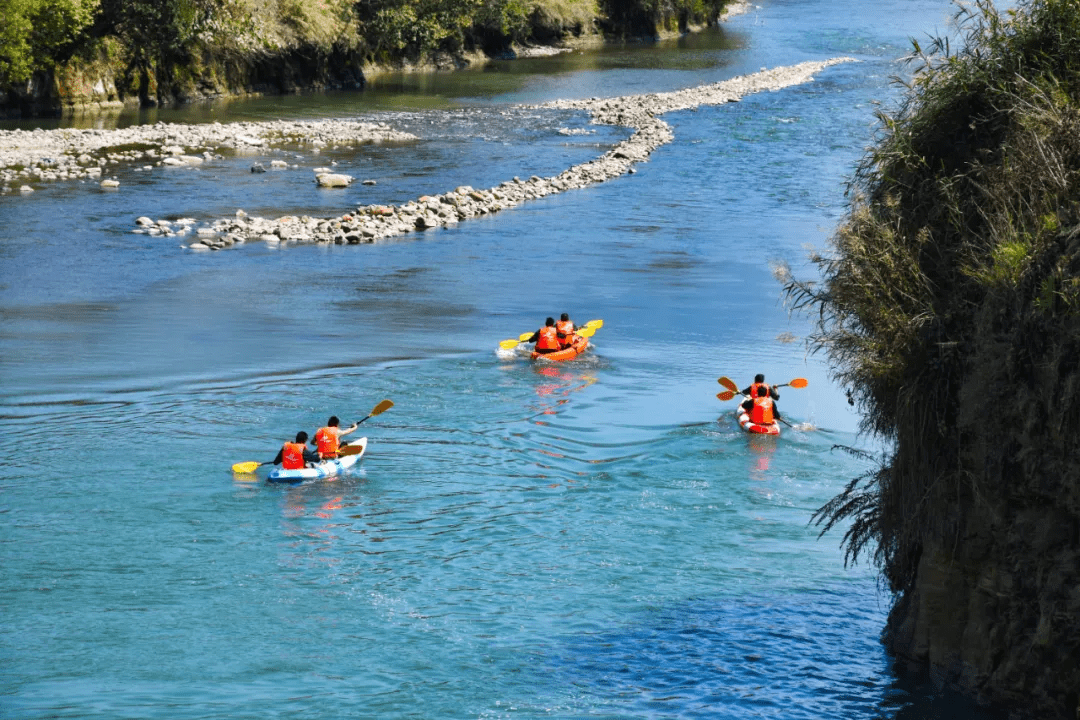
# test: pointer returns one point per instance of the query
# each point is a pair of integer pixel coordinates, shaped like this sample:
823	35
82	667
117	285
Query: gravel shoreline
77	154
84	153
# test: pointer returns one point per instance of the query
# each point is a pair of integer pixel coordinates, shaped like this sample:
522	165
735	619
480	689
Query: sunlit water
594	539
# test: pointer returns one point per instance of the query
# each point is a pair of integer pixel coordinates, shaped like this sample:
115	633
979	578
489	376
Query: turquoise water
595	539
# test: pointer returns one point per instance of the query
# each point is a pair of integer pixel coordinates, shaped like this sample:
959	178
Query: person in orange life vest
759	381
546	338
327	438
565	330
294	455
762	408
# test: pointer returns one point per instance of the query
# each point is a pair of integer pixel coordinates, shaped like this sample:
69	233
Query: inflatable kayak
324	469
577	347
749	426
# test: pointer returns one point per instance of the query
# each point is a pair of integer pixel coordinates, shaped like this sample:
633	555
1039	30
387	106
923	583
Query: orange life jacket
762	413
565	330
755	386
549	339
327	441
292	456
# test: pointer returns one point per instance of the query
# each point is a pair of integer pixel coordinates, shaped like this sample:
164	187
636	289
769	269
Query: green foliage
1007	262
958	262
415	27
36	34
565	13
159	42
644	17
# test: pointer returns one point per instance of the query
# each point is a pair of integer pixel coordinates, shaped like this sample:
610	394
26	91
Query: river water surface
593	539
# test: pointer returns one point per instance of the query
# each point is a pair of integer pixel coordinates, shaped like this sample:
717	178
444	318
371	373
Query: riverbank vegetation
950	306
160	50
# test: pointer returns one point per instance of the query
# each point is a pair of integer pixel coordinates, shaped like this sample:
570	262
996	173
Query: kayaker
565	330
294	455
762	409
546	338
327	438
759	381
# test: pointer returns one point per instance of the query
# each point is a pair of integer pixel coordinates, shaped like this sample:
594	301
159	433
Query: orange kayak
749	426
577	347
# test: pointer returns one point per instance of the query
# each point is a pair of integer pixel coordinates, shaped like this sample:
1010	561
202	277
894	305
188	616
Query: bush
39	34
953	280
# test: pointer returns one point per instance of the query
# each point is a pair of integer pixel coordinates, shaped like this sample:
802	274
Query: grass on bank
949	303
167	38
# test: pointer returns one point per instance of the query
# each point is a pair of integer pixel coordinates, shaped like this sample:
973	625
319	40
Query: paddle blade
382	407
509	344
595	324
350	449
524	337
727	383
587	332
245	467
725	396
798	383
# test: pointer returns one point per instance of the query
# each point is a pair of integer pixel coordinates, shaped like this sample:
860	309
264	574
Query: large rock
333	180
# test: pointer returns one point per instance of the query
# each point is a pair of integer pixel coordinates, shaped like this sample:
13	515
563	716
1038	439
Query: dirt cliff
950	305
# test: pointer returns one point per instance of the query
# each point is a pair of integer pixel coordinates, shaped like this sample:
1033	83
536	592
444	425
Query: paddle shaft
586	330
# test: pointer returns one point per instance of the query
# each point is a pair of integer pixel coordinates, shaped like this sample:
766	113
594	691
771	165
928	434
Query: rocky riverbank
368	224
38	156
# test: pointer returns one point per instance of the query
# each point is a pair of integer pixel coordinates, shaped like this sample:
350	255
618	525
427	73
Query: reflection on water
762	447
559	386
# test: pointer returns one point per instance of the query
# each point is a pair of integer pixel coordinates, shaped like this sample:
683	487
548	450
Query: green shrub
955	272
38	34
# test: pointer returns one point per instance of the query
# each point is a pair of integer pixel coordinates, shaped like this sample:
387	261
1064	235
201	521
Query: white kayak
324	469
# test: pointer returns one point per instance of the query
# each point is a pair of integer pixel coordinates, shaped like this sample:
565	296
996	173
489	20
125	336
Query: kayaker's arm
277	458
534	338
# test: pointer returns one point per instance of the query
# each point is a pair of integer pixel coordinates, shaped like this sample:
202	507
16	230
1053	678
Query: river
591	539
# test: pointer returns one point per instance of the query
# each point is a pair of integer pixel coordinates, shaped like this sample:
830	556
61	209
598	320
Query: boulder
333	180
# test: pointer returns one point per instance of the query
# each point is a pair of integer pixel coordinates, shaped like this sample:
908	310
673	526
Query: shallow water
592	539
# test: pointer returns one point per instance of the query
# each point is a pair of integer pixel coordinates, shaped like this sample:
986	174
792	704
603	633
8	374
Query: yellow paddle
585	330
251	465
377	410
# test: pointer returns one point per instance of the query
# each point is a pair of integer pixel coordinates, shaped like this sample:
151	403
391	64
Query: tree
39	34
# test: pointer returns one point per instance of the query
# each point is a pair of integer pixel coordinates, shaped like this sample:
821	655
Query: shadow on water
704	659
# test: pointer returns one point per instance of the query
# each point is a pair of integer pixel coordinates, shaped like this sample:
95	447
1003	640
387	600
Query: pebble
368	224
74	154
67	150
